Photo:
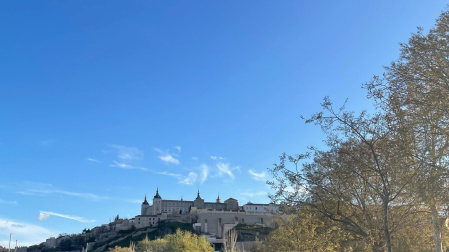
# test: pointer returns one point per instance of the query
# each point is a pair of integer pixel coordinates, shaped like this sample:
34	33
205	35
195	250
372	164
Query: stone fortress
212	218
181	206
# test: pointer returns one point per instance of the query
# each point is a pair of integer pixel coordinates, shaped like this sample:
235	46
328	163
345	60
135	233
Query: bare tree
230	241
414	91
359	180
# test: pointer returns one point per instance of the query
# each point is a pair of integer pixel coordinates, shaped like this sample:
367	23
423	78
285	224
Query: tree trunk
386	230
436	230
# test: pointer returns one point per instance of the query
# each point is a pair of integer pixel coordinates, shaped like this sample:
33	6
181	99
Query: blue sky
101	102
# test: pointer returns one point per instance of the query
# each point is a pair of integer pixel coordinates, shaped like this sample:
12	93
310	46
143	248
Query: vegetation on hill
126	237
180	241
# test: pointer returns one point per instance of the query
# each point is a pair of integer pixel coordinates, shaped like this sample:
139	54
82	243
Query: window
236	218
243	220
261	220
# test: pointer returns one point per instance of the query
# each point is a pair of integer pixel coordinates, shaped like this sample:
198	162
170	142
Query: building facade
218	223
214	218
163	206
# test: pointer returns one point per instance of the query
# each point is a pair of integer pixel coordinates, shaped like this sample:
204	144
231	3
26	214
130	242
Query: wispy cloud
254	194
93	160
176	175
204	173
128	157
40	189
122	165
262	176
127	153
190	179
225	169
8	202
167	157
27	234
43	215
217	158
194	158
178	148
127	166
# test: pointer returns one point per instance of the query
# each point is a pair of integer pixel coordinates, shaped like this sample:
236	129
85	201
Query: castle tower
157	203
145	206
218	199
198	202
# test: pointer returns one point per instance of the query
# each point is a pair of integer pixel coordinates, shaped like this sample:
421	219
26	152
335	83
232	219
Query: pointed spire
157	194
198	196
145	202
218	198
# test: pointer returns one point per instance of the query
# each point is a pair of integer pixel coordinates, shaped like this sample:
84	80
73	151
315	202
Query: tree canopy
386	173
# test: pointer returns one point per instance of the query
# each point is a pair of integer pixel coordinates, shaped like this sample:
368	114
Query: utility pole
16	247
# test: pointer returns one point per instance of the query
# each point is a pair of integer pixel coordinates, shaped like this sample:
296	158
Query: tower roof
157	196
198	196
218	199
145	202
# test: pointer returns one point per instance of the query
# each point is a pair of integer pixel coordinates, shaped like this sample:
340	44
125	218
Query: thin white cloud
40	189
122	165
76	194
254	194
170	174
27	234
204	173
178	148
43	215
127	153
217	158
8	202
194	158
225	169
262	176
127	166
190	179
93	160
167	157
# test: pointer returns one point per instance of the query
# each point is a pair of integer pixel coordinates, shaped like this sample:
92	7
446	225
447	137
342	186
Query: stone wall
218	222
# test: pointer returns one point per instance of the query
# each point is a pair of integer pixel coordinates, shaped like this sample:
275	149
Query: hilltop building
214	218
161	206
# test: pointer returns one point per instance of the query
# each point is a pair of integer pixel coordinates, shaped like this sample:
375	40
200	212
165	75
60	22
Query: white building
260	208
